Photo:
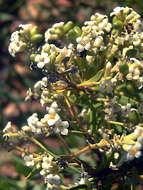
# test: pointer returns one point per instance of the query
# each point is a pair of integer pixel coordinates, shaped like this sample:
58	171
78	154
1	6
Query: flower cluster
51	122
19	39
48	168
133	143
92	33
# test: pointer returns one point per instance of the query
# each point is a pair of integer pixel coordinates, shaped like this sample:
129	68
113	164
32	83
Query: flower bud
36	38
124	68
117	24
72	35
58	32
52	57
32	57
77	30
68	26
115	32
134	117
34	31
130	88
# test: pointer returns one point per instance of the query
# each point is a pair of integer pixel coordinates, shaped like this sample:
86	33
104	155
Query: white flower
78	39
29	160
90	59
18	40
61	127
16	47
133	151
116	11
34	123
138	131
80	47
51	32
140	139
53	179
46	48
108	27
136	39
15	36
98	41
52	118
46	165
65	52
53	108
116	155
33	119
42	59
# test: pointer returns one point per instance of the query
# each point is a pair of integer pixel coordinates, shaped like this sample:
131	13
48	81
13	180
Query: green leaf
20	167
92	80
131	53
119	128
34	172
96	77
7	184
123	100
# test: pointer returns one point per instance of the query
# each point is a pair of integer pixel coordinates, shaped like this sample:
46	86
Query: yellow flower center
52	116
133	151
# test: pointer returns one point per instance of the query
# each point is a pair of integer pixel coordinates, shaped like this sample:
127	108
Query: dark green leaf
131	53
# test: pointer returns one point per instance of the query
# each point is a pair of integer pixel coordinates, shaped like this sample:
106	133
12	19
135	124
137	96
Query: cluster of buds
24	38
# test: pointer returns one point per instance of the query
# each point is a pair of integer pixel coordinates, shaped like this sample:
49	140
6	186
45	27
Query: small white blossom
53	179
62	127
47	165
134	151
52	119
80	48
29	160
116	11
42	59
34	123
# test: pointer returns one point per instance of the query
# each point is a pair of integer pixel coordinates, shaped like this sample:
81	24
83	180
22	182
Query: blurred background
15	75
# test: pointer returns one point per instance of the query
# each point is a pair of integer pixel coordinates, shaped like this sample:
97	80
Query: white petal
64	131
56	130
40	65
65	124
51	122
138	154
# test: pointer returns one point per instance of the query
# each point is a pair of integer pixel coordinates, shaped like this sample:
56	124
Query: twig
64	143
73	114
